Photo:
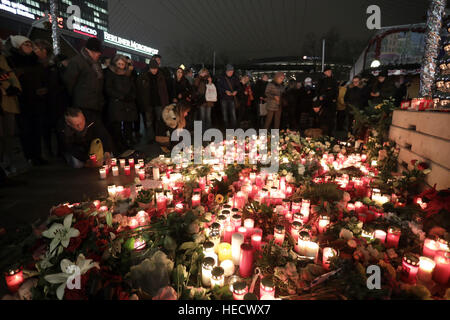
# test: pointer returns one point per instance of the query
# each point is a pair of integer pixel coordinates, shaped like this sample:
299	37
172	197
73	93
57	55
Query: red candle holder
93	158
441	272
240	289
246	260
393	237
267	288
410	267
14	279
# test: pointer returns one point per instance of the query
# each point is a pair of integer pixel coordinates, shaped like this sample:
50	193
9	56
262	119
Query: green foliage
321	192
16	248
263	216
145	196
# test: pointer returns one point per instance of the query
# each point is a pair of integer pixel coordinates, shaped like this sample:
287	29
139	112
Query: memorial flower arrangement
313	230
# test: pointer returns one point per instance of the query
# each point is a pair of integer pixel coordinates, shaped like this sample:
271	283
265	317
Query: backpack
211	93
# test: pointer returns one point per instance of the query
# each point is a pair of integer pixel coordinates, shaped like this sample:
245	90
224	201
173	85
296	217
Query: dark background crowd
58	106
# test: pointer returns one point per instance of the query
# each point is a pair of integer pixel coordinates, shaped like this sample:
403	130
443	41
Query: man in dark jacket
307	95
33	100
293	105
383	89
328	93
259	91
167	75
84	80
356	97
228	87
77	132
152	97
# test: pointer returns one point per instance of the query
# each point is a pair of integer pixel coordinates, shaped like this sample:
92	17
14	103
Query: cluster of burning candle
123	167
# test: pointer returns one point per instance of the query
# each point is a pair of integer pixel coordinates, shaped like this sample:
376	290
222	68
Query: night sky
239	30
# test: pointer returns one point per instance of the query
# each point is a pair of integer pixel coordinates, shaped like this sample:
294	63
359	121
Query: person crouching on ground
174	118
83	137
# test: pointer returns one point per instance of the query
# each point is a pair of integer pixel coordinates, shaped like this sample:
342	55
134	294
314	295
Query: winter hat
308	81
169	116
229	67
17	41
94	44
154	64
327	68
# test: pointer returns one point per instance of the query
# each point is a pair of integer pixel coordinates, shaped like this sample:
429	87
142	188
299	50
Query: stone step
426	146
439	175
430	123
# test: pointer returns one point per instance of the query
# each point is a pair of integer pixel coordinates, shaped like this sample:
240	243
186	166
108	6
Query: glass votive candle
122	163
393	237
228	267
131	162
323	223
296	227
155	171
239	290
232	280
410	267
127	170
441	272
112	190
141	174
14	279
102	172
113	162
115	171
256	240
209	251
426	268
380	235
279	233
430	248
267	287
327	254
224	251
236	220
208	264
217	277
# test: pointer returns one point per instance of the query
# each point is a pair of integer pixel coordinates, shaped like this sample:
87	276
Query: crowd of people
94	105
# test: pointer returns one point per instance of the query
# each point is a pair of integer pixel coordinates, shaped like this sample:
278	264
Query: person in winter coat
33	100
328	93
259	90
274	92
355	96
167	76
152	96
10	89
307	94
120	91
81	135
84	80
181	87
293	105
199	97
341	107
246	98
228	87
382	89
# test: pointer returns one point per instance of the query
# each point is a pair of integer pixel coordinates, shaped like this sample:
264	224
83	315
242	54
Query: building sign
84	30
17	9
128	44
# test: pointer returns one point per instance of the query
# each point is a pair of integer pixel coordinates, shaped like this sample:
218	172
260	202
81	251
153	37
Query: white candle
102	172
249	224
426	268
228	267
380	235
112	190
115	171
207	267
155	173
217	277
312	249
122	163
236	240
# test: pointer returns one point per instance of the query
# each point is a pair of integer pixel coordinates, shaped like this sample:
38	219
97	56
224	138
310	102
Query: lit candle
131	162
298	217
119	191
142	218
209	251
327	254
224	250
296	207
236	219
133	223
410	267
217	277
227	232
14	279
207	267
137	168
380	235
112	190
249	224
93	158
267	287
236	240
142	174
139	244
155	173
243	231
323	223
161	203
295	230
426	267
127	170
102	172
115	171
393	237
303	238
214	237
122	163
430	248
246	260
256	241
441	272
228	267
113	162
279	234
141	162
196	200
239	290
311	249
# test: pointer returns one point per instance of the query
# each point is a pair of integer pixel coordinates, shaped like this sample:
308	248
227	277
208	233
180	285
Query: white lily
69	269
61	234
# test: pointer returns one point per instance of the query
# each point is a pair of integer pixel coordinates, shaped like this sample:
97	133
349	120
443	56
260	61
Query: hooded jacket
120	92
84	81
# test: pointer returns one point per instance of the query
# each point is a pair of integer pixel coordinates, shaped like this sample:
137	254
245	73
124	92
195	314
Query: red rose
83	227
61	211
423	166
413	162
74	244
